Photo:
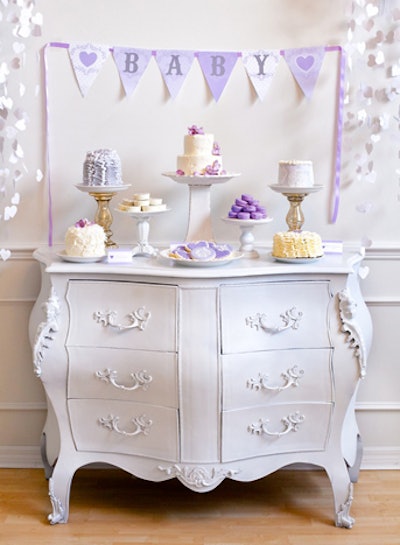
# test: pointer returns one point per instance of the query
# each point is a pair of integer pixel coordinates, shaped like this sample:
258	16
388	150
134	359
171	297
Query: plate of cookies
201	253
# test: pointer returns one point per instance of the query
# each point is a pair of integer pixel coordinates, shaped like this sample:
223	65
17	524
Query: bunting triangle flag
174	66
87	60
305	65
261	66
217	68
131	64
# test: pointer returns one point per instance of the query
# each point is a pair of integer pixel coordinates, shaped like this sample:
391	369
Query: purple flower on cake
83	223
214	169
195	130
216	149
180	172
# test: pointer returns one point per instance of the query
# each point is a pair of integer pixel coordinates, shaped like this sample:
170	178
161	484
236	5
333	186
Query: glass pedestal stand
295	196
103	216
246	235
199	223
143	248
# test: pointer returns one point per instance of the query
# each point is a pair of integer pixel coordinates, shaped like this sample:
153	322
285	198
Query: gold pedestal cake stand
295	196
103	195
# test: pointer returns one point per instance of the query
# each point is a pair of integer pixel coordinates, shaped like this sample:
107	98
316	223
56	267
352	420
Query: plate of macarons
201	253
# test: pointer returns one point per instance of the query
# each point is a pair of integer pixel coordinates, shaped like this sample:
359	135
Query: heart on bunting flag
87	61
305	65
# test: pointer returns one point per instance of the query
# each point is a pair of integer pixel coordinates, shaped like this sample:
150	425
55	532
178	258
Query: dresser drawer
275	315
130	375
278	375
124	428
277	429
122	315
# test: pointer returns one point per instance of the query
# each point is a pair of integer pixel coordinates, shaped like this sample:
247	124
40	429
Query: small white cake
295	244
85	239
296	174
102	167
201	155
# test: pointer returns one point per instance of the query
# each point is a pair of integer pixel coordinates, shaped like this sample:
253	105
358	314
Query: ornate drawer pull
291	378
290	422
140	379
142	425
137	319
290	318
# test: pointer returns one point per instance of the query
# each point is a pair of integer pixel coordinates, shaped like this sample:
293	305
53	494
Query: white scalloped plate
201	263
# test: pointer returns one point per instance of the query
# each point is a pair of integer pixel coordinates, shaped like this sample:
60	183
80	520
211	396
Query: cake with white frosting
102	167
201	155
85	239
296	174
297	244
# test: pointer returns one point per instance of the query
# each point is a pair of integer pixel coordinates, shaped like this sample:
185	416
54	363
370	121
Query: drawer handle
291	378
136	319
140	379
290	318
291	422
142	424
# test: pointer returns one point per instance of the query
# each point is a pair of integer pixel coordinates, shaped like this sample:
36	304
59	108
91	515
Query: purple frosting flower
180	172
216	149
83	223
195	130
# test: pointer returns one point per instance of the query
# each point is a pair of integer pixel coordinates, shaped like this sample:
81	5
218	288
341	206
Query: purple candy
250	208
236	208
240	202
243	215
232	214
257	216
247	198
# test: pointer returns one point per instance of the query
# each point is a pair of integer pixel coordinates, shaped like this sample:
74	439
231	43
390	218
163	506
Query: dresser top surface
264	265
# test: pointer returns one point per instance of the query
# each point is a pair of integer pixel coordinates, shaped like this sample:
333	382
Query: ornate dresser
201	374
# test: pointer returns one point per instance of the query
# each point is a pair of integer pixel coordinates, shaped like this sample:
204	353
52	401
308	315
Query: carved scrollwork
45	331
290	319
343	517
137	319
140	379
291	378
142	424
348	311
198	476
291	422
58	514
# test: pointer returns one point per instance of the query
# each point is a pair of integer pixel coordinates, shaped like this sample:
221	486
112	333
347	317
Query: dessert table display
201	373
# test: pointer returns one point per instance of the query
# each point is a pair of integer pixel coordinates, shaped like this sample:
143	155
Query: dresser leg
343	493
48	468
59	492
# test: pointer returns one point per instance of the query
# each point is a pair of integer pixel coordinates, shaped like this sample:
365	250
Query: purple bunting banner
87	61
305	65
174	67
261	66
217	67
131	64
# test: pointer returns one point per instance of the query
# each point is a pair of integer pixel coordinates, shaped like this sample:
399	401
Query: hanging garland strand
19	21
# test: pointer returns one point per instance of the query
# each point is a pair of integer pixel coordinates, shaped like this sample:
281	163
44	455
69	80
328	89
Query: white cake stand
246	236
143	248
295	196
199	223
103	195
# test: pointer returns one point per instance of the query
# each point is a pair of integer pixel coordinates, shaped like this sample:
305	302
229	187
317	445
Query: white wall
147	131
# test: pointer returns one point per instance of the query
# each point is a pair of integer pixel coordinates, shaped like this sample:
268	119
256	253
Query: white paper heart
371	10
15	198
5	254
9	212
363	272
